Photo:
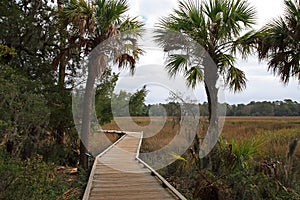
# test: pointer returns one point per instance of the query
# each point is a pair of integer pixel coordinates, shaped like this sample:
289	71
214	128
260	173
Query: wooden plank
89	184
163	180
118	173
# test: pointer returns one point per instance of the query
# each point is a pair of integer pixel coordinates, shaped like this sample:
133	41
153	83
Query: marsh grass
257	167
164	132
274	132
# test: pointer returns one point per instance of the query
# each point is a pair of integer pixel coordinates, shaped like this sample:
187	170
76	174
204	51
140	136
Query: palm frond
193	76
279	43
236	79
242	13
247	43
80	14
109	12
225	61
133	25
126	61
176	63
285	65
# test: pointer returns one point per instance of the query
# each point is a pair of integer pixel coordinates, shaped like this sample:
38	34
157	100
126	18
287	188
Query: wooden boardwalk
118	173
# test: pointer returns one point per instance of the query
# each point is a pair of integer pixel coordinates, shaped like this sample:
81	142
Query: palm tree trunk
212	98
62	74
62	64
59	5
61	78
210	79
83	159
86	118
96	67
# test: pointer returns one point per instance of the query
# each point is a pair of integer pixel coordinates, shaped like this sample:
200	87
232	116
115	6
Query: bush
237	176
30	179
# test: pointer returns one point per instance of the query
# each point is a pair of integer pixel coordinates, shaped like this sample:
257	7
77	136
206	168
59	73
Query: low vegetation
36	179
255	158
40	177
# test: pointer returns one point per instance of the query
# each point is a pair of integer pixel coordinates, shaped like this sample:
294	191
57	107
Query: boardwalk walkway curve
119	173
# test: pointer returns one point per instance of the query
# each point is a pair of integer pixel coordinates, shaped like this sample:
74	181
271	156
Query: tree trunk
60	137
210	78
212	98
62	74
96	67
86	118
59	5
62	64
83	159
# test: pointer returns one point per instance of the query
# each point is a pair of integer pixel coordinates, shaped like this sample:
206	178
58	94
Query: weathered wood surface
117	174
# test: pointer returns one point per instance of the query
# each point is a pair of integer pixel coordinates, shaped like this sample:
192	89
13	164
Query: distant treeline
286	107
265	108
135	102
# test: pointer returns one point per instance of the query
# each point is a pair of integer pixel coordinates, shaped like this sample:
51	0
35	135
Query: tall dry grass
259	149
275	132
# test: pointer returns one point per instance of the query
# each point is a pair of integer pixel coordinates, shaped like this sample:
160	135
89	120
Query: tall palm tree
95	23
216	26
280	43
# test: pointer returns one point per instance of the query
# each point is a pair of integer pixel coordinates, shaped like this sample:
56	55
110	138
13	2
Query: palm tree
280	43
216	26
94	24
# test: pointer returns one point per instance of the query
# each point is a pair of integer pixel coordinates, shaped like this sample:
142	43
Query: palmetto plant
92	24
216	26
280	43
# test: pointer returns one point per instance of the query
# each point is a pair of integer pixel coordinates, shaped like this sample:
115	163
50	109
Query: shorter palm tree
279	43
97	31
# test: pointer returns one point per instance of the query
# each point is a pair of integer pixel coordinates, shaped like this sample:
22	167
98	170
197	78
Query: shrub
30	179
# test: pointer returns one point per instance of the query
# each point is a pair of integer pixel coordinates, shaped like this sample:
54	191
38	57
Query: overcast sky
261	85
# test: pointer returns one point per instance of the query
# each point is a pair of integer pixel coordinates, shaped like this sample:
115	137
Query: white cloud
152	10
267	9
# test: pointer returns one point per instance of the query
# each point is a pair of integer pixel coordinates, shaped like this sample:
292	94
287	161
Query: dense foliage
36	117
40	51
110	104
